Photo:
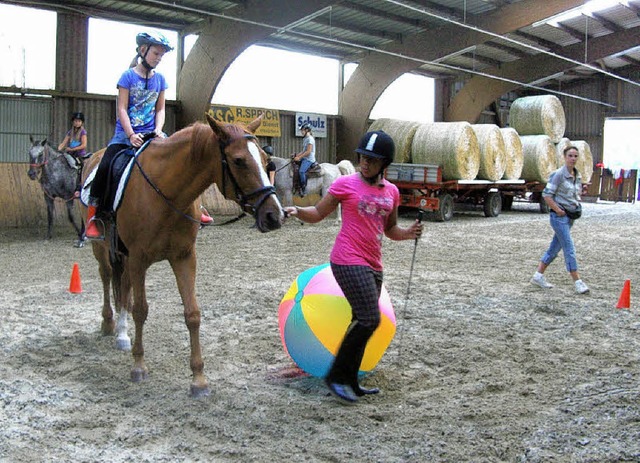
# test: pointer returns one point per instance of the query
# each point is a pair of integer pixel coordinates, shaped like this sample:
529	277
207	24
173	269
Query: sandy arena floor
484	367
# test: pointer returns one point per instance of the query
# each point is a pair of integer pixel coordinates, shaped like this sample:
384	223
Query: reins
286	165
243	199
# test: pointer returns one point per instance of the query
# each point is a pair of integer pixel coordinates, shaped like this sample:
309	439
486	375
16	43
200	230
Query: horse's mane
203	139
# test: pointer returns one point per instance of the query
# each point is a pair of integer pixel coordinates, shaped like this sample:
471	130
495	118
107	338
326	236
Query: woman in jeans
562	194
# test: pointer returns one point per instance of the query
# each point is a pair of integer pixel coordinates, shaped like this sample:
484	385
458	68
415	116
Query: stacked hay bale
451	145
492	151
585	160
402	133
538	115
513	154
539	155
541	123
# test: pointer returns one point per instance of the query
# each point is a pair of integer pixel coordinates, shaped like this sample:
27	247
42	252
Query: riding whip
419	217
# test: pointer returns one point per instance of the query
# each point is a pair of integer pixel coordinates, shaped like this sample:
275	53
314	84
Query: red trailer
421	186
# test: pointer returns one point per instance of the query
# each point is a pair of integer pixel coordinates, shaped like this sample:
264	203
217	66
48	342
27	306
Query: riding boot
359	390
92	231
343	375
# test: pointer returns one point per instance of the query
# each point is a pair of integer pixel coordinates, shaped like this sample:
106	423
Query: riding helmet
77	116
377	144
268	149
305	126
153	38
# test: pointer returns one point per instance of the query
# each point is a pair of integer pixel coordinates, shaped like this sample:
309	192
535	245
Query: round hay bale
538	115
585	160
539	154
513	154
493	160
560	147
401	132
451	145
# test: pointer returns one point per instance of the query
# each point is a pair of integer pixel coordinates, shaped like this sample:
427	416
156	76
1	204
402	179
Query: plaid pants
361	286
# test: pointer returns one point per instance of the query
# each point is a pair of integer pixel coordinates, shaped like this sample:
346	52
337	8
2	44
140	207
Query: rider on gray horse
307	157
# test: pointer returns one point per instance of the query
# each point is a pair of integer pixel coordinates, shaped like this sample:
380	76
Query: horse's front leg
122	291
50	216
101	254
135	276
79	230
184	269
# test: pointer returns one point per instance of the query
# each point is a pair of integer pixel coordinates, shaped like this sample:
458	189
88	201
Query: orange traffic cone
75	286
625	296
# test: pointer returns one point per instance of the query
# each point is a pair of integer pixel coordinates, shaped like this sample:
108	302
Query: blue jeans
561	240
305	165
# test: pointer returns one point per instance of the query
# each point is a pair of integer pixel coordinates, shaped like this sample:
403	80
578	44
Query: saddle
116	169
314	171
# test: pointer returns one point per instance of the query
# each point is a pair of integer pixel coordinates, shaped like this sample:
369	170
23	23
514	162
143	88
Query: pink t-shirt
365	210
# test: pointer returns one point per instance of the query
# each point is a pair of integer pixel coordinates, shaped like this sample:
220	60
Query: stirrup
99	236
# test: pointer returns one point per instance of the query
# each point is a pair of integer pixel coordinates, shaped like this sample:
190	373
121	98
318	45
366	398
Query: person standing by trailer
369	212
562	195
306	157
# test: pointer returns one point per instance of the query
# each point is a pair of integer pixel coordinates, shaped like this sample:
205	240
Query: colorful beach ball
314	315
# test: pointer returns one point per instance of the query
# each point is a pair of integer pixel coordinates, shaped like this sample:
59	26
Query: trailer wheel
492	204
445	210
507	202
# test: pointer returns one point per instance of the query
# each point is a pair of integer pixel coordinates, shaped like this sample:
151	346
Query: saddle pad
122	183
86	187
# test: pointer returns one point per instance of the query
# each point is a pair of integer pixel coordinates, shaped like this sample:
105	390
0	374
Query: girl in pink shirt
369	211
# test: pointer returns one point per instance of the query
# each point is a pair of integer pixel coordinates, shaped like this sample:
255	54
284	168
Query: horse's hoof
79	244
108	328
123	344
199	391
138	375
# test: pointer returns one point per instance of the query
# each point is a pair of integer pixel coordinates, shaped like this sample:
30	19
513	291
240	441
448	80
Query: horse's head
37	157
244	165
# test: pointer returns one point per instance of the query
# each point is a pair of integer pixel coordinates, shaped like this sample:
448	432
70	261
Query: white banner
318	123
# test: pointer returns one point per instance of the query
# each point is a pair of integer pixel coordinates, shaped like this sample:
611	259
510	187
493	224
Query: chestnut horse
158	219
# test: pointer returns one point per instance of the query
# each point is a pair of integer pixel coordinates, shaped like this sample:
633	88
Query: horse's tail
346	167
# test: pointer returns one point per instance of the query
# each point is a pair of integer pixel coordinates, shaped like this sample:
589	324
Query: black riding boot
360	391
342	379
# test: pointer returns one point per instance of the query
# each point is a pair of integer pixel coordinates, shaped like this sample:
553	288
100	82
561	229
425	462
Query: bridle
243	199
45	158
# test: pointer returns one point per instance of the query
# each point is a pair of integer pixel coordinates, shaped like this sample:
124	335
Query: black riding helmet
268	149
377	144
305	126
77	116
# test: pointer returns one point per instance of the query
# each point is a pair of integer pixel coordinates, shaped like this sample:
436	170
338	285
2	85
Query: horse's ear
44	142
217	128
31	138
253	126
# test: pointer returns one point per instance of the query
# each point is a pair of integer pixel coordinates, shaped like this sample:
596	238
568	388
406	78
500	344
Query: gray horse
318	185
58	180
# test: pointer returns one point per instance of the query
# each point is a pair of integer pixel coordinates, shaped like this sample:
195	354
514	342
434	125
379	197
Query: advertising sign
270	126
318	123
